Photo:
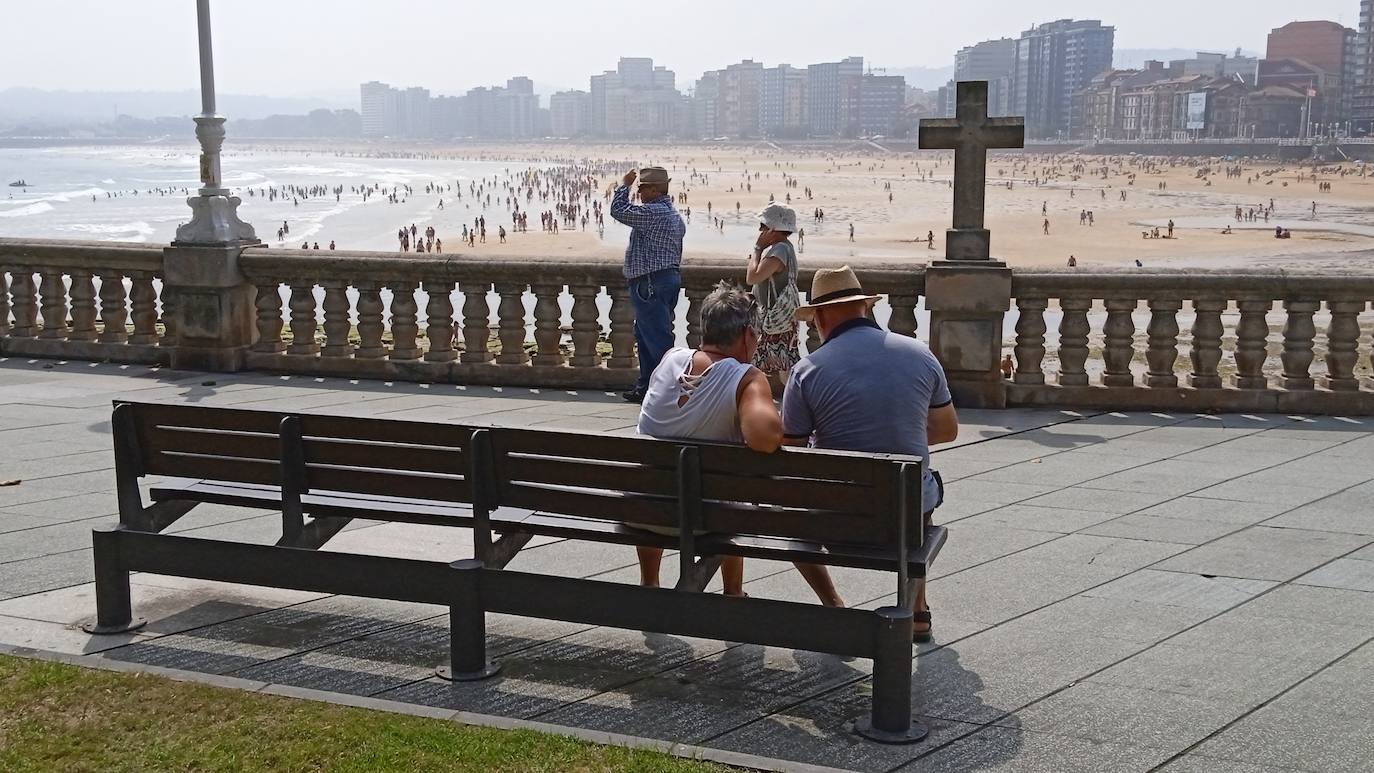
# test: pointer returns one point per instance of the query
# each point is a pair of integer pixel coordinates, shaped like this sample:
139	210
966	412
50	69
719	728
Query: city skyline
276	49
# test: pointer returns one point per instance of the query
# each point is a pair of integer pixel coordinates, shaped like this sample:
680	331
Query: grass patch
60	717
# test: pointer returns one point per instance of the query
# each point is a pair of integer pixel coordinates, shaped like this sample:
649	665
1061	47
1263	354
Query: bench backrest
342	454
824	496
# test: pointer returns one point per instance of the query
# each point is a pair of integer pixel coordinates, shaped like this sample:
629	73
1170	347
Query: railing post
439	321
1073	341
1163	343
303	320
336	323
169	317
1030	340
547	329
1298	333
890	720
1252	349
209	310
4	302
467	627
695	295
1342	345
586	326
268	306
902	319
143	299
1207	332
370	325
25	307
622	328
404	326
83	307
53	302
1119	343
511	324
476	322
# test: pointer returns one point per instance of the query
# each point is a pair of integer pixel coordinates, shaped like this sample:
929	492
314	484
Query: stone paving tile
1263	487
1161	477
1065	469
1142	622
1325	723
1111	713
1253	633
1196	763
58	570
11	522
1098	500
1028	517
818	731
61	637
1215	510
32	491
1184	590
1163	529
48	537
1264	553
1348	573
998	492
1347	512
1191	666
70	508
1009	749
982	542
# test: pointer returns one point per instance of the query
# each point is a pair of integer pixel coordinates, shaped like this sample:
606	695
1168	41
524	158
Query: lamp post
214	213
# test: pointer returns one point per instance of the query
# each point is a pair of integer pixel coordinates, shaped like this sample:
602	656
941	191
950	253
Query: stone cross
969	135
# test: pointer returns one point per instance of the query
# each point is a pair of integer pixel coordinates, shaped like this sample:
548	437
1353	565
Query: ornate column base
215	221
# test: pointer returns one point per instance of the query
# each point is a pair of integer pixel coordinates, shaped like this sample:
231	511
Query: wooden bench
508	485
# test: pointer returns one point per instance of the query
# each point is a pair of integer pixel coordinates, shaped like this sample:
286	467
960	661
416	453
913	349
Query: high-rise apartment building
737	109
991	61
636	100
832	97
881	99
570	113
782	102
1329	47
375	96
1053	62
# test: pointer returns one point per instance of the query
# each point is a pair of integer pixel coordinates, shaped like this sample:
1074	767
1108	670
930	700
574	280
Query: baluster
1298	332
1073	341
476	322
1030	340
336	322
169	317
52	293
902	320
370	327
4	303
1342	345
1252	335
25	305
83	307
1163	349
404	327
268	304
1119	339
303	320
586	326
622	329
547	333
695	295
114	312
143	302
1207	333
511	324
439	321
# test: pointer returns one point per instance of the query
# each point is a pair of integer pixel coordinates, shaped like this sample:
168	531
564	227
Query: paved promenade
1125	592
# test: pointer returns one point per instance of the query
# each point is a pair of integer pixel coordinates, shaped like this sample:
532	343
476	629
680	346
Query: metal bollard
113	606
890	720
468	628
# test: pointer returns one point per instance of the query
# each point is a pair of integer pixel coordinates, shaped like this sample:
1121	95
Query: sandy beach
892	199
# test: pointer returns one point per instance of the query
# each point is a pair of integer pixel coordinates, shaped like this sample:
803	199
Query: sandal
922	637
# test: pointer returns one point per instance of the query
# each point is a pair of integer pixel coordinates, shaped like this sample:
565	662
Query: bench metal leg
468	628
890	720
113	605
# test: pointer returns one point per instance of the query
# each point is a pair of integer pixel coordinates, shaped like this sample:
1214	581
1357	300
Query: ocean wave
36	208
137	231
62	197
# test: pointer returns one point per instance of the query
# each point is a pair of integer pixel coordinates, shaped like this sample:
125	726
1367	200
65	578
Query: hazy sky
319	47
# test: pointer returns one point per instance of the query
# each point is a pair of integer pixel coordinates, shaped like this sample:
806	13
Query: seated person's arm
759	421
942	425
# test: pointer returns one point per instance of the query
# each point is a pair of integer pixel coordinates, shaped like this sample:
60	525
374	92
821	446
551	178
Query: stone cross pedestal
968	293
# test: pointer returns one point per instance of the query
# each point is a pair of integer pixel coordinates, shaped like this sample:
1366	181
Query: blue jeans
654	297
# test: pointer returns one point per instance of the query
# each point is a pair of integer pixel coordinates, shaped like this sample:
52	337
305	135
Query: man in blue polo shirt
867	390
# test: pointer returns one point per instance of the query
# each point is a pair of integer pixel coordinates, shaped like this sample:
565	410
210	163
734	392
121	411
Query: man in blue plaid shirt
652	266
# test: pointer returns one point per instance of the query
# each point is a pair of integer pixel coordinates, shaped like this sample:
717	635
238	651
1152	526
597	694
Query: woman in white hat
773	273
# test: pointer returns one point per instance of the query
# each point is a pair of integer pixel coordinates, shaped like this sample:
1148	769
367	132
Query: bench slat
839	498
604	448
565	472
314	425
442	489
183	465
607	506
217	442
384	456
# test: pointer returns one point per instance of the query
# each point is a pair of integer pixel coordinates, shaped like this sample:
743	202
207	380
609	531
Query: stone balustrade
1191	339
1162	339
84	300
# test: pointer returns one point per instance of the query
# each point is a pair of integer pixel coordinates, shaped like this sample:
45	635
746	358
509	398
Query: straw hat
779	218
654	175
831	286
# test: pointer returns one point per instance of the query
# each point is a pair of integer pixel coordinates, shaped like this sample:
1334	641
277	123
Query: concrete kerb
686	751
